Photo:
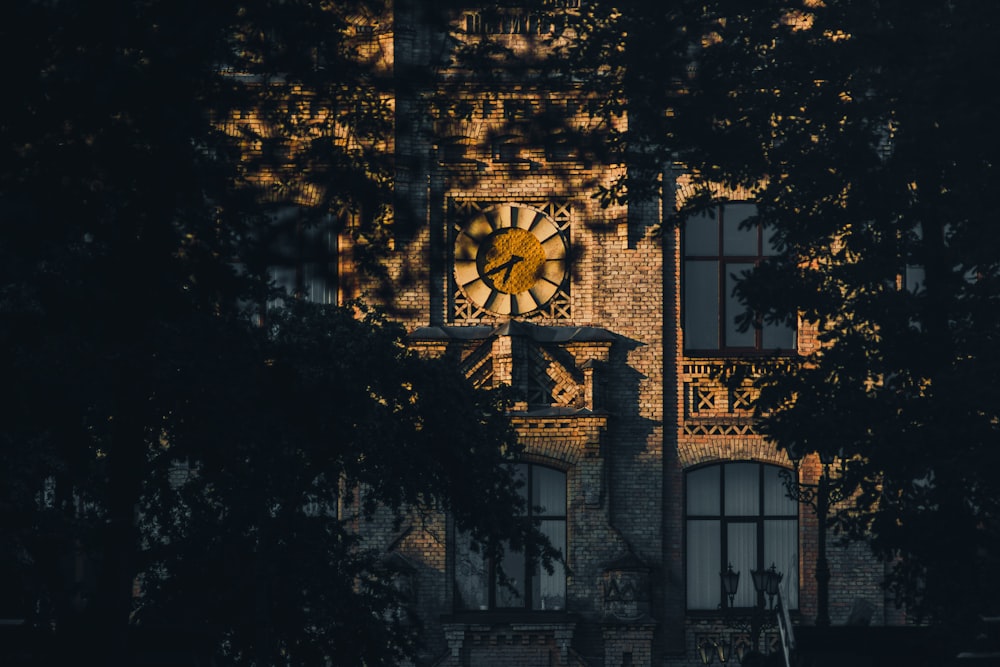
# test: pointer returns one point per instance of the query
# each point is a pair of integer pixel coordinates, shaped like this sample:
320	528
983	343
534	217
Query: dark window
560	148
718	250
506	148
477	586
303	257
454	150
739	513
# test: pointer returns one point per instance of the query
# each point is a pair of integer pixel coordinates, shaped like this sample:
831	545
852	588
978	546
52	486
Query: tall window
718	249
303	256
477	584
739	513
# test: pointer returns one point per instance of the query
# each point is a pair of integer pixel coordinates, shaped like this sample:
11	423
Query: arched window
739	513
476	583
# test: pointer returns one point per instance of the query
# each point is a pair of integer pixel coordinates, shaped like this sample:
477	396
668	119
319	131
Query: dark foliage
865	132
152	427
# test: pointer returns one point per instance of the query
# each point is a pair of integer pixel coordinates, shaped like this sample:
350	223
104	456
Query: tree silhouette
864	133
162	423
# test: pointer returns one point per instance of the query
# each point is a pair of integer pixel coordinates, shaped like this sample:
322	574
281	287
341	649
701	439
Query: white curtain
746	522
742	553
776	500
549	590
511	594
781	549
703	566
742	489
549	491
471	575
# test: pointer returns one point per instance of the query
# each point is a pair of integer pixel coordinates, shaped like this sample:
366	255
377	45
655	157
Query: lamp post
827	490
751	621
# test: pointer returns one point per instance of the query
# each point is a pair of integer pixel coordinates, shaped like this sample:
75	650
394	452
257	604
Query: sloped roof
537	332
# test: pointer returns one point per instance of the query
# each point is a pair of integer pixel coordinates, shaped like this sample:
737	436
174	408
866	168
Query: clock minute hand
509	265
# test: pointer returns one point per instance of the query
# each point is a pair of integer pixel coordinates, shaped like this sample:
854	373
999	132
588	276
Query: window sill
462	164
739	354
510	617
717	614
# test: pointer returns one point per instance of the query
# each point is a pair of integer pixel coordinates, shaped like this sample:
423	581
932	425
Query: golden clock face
510	259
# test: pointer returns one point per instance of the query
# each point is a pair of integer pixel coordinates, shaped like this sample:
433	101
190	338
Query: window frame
530	566
759	520
723	260
305	259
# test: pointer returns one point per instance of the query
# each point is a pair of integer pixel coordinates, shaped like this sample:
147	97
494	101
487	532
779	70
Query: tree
327	421
137	230
864	132
875	153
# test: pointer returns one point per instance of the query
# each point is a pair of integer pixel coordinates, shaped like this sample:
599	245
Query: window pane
776	500
742	489
769	242
318	241
915	278
703	491
317	284
512	565
778	336
548	490
521	478
704	589
736	241
478	579
549	590
283	277
701	305
701	235
471	575
734	307
781	548
742	553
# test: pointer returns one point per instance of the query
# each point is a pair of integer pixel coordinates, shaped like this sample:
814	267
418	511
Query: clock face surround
510	259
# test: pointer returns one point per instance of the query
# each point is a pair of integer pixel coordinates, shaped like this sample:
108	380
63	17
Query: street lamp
766	582
750	621
730	582
828	490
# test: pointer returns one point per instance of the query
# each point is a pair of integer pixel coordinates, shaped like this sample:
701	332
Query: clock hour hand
508	265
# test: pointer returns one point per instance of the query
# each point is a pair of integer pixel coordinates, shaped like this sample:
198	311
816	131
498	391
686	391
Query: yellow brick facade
606	393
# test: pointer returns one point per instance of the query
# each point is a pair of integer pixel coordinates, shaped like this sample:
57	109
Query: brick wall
648	414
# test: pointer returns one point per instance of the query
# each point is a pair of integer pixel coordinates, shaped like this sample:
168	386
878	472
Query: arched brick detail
696	451
550	457
686	189
561	442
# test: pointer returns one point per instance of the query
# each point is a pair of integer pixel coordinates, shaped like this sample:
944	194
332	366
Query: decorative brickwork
510	645
603	390
628	646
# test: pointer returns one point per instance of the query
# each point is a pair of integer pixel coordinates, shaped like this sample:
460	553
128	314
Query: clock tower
641	467
511	267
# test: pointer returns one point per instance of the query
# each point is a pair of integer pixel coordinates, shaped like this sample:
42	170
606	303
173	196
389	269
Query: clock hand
508	265
514	259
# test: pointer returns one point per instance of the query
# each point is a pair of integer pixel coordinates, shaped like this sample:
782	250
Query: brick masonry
624	412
